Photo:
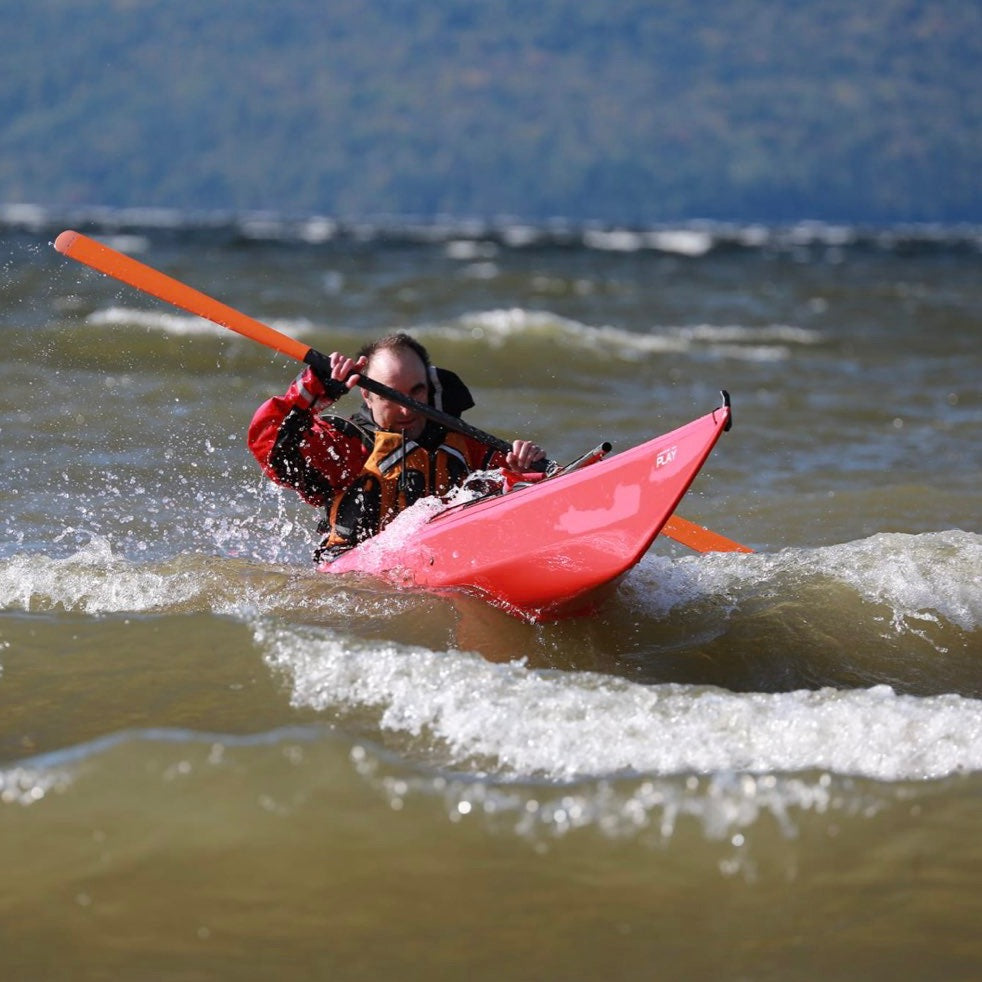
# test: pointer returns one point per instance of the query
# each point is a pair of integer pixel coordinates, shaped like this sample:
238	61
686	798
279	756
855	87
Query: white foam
28	785
919	576
613	240
498	327
386	550
770	342
181	324
470	250
741	334
30	215
93	581
130	244
566	725
682	241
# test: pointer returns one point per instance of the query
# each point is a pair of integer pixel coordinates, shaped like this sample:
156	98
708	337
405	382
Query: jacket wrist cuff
313	393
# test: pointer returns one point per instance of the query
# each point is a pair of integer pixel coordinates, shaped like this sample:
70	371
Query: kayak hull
554	548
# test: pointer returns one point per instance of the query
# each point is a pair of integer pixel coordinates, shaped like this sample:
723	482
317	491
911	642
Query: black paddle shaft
321	364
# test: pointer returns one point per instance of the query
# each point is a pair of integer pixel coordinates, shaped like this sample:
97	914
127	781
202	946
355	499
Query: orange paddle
136	274
157	284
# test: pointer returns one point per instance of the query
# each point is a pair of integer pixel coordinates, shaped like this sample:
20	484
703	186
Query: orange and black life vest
397	473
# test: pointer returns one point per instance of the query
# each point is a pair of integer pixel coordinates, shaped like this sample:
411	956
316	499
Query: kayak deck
554	548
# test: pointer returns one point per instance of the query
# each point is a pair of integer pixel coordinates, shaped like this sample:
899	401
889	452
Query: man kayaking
366	468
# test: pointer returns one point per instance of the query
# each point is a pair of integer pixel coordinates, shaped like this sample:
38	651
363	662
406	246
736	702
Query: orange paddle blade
106	260
699	538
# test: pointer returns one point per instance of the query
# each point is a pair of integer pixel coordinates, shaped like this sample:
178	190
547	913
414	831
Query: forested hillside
618	110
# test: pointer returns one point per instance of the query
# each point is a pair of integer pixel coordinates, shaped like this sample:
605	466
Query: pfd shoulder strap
359	426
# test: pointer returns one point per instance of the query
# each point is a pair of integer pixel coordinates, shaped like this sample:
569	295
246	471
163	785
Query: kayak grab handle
590	457
726	403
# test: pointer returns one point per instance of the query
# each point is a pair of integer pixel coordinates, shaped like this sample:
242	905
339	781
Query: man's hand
345	369
327	379
523	454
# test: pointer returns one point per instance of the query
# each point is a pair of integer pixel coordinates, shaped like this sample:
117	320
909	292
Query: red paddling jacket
361	475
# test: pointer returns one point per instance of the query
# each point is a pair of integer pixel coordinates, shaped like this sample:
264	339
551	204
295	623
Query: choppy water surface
217	763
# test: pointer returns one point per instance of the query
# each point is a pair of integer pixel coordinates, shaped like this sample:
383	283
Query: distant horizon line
315	225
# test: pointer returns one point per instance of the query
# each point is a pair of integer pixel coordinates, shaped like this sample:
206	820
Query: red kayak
553	548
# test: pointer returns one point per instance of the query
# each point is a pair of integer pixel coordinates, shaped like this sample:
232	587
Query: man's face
404	371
